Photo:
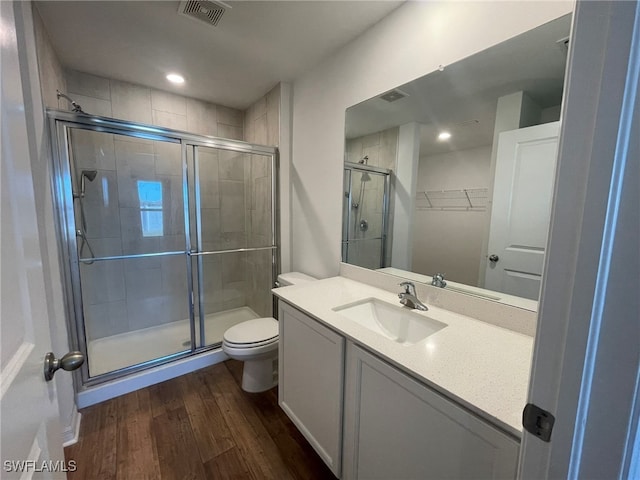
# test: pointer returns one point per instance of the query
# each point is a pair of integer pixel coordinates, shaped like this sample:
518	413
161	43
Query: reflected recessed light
444	136
175	78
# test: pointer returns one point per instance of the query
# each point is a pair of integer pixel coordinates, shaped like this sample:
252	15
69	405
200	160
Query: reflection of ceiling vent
393	95
467	123
204	10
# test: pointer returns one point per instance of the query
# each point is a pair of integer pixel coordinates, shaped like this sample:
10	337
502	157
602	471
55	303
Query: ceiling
462	98
255	45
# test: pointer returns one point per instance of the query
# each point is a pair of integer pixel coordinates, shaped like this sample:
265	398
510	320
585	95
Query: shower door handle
70	361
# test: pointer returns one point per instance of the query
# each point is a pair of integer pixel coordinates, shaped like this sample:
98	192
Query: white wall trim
131	383
71	432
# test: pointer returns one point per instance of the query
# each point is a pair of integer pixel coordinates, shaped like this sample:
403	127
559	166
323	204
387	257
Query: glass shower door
232	237
130	246
364	226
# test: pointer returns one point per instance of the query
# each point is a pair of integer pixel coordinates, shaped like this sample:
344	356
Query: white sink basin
394	322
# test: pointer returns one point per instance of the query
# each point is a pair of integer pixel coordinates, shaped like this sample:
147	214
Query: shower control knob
70	361
494	258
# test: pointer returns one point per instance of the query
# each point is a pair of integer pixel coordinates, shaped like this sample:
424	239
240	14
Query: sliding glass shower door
129	227
232	231
169	239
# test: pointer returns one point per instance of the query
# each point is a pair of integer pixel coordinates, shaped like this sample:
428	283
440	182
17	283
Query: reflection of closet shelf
466	199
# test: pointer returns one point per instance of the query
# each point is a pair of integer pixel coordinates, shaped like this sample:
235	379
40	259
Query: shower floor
125	349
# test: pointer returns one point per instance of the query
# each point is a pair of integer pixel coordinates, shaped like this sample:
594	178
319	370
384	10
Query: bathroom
311	143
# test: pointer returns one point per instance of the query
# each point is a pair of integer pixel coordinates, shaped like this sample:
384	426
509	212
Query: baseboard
131	383
71	432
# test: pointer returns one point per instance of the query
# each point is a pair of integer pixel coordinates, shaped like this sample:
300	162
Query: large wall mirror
448	179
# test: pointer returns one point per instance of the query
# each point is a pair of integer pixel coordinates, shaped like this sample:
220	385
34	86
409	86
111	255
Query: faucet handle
409	288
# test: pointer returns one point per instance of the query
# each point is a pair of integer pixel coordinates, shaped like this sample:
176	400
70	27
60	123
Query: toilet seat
252	333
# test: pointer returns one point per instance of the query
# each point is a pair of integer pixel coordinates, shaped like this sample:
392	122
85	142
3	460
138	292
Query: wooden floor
198	426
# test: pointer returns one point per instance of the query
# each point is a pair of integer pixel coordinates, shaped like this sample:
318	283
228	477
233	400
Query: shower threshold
138	346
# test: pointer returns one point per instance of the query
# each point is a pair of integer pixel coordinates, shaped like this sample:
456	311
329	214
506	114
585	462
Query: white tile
105	319
260	130
258	109
202	117
208	179
168	158
147	312
273	117
102	282
80	83
168	102
170	120
131	102
210	218
142	284
232	209
93	150
371	140
100	206
231	165
93	106
231	132
230	116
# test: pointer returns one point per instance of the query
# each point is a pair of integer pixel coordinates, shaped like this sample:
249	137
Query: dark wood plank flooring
198	426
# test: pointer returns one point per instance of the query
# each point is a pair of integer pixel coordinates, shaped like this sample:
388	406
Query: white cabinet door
397	428
521	210
311	365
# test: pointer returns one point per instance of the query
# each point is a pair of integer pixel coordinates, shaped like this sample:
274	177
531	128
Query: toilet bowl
255	342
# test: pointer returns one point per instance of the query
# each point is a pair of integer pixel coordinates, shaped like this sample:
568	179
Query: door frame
60	125
584	326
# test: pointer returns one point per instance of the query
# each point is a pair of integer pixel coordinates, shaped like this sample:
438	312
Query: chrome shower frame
60	125
350	167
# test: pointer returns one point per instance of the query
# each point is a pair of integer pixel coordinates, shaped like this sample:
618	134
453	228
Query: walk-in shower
365	214
168	239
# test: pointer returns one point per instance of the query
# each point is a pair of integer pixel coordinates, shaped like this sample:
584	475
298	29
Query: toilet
255	342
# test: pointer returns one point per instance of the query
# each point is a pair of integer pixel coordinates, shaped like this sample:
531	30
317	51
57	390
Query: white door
29	424
522	195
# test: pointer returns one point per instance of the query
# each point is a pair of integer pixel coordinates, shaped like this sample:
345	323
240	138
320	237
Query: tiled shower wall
381	148
154	291
125	295
261	125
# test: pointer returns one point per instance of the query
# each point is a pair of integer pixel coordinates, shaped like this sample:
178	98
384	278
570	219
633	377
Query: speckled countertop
483	367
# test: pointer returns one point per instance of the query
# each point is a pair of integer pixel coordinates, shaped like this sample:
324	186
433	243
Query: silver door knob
494	258
70	361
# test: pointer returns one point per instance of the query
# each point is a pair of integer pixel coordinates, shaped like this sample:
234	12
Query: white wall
450	241
411	42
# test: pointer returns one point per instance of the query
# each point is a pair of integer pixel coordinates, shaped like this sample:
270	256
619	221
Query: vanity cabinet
310	371
396	427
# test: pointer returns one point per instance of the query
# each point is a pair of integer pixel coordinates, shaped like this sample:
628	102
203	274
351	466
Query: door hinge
538	422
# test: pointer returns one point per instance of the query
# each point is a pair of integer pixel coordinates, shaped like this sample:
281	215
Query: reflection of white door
28	405
520	214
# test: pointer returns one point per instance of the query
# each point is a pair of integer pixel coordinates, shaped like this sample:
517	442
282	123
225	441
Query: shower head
364	160
75	106
91	175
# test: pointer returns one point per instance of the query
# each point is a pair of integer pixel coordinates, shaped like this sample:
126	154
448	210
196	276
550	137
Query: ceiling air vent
393	95
204	10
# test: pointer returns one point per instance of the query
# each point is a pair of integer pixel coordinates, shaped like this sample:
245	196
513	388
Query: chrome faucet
438	280
408	298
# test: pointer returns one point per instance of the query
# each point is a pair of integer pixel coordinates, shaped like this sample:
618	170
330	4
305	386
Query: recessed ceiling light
442	136
175	78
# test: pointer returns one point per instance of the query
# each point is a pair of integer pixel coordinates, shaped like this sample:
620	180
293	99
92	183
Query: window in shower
150	198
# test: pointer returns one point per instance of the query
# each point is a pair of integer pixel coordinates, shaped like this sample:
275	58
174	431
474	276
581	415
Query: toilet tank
294	278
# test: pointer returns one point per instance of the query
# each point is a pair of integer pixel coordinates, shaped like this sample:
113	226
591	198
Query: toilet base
259	375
